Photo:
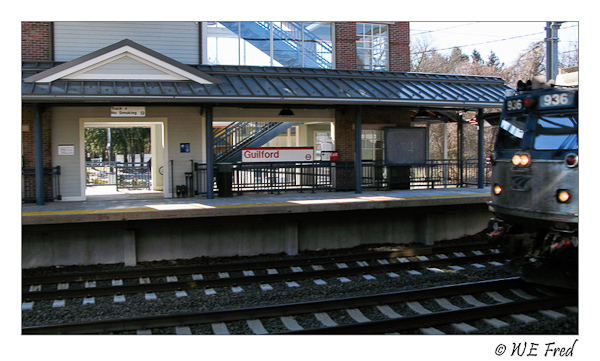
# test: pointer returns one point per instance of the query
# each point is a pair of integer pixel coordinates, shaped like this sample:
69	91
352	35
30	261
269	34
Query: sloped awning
89	79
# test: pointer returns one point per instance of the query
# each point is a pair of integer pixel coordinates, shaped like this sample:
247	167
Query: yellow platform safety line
149	209
86	211
450	196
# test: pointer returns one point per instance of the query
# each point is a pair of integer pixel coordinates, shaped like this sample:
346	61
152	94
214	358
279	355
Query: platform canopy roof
127	72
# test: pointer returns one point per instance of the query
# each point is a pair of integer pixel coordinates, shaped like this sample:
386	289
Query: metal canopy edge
268	85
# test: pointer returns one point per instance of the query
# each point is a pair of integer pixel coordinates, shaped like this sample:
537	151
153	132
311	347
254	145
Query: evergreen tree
476	57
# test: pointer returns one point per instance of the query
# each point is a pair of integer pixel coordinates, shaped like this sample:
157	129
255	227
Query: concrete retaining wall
130	242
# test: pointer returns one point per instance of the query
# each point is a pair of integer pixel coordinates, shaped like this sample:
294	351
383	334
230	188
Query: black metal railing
51	184
135	175
340	176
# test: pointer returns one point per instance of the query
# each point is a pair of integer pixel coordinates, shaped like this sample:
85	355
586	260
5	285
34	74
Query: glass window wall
372	46
288	44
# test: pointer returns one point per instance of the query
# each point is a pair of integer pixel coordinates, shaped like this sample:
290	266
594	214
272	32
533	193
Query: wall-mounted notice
127	111
287	154
66	149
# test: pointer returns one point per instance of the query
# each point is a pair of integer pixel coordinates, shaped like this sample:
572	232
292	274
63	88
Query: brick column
399	43
27	136
345	45
344	145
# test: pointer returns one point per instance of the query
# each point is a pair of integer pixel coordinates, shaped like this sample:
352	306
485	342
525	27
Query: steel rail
239	266
244	280
148	322
445	317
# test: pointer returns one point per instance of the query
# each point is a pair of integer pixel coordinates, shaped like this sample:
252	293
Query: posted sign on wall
288	154
127	111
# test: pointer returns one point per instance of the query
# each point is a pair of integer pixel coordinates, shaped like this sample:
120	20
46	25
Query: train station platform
147	227
148	206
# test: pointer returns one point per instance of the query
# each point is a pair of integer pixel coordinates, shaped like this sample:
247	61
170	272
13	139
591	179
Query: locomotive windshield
511	133
556	132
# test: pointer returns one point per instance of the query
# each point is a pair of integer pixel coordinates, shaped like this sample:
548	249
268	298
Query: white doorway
129	161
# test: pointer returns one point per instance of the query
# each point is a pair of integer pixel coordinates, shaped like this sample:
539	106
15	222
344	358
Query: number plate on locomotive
556	100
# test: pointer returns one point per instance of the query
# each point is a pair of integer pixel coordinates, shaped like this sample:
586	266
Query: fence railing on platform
337	176
51	184
134	175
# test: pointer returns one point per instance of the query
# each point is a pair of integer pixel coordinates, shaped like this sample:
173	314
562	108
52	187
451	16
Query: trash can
225	179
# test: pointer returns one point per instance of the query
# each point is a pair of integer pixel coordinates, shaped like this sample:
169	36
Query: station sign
127	111
284	154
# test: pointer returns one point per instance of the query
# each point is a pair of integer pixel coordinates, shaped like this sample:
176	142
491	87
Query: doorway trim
126	121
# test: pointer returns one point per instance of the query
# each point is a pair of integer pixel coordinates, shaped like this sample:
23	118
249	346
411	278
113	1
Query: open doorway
123	158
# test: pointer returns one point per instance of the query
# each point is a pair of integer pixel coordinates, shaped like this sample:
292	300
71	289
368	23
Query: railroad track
399	312
179	279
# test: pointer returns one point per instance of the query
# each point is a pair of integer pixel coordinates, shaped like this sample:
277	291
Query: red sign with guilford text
286	154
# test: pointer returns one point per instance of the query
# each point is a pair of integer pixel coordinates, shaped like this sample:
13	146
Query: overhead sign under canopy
285	154
127	112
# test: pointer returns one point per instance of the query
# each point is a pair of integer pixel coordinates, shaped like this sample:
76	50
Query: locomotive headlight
516	159
497	189
563	196
521	159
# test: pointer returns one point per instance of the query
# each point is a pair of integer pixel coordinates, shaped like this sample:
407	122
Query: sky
506	39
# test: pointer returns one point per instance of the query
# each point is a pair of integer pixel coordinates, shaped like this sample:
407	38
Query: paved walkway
152	201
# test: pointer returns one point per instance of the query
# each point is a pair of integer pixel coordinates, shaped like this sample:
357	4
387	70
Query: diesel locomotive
535	183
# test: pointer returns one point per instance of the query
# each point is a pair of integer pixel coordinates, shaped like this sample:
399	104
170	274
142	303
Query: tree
132	141
476	57
95	143
126	141
529	64
425	58
494	61
570	58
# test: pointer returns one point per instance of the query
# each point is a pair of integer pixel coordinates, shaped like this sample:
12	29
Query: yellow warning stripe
86	211
449	196
147	209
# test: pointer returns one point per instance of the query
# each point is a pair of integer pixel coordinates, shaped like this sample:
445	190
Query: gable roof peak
123	60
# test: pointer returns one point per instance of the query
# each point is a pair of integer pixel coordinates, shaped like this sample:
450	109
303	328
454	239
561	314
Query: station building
235	107
345	87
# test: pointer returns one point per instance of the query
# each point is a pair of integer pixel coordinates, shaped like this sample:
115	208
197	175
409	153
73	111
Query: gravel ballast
196	300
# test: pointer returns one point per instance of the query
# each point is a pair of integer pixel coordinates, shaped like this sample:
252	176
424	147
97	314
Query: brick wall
399	46
345	45
27	137
36	41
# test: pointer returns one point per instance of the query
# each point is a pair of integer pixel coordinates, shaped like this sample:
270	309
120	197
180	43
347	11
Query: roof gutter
84	99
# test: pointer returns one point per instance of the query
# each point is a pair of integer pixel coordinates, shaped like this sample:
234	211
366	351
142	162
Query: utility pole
552	49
